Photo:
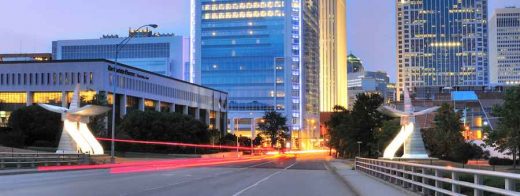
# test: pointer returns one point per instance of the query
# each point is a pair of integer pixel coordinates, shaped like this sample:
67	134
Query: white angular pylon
76	136
410	135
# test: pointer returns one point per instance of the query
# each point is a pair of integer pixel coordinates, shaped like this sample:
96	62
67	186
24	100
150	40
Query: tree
338	129
445	140
38	126
163	126
506	136
274	126
346	127
214	136
228	140
366	119
384	135
258	140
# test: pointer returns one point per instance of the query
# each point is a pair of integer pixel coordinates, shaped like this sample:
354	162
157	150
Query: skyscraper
265	54
441	43
165	54
333	48
504	50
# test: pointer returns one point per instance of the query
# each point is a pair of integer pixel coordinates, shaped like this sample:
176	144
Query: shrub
11	138
36	123
500	161
162	126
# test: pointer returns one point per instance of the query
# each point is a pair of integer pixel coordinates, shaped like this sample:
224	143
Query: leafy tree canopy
162	126
274	126
506	136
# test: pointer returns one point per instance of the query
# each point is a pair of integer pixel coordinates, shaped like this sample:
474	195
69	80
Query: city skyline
43	23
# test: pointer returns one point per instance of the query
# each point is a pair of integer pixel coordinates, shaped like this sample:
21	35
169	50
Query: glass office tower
441	43
265	54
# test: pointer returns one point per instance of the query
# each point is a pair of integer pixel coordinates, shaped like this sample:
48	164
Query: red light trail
158	165
181	144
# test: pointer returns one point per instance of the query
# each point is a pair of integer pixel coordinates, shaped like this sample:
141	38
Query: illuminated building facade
52	82
504	50
265	54
441	43
165	54
26	57
333	47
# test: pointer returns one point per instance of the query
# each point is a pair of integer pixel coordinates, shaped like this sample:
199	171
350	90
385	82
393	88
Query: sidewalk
362	183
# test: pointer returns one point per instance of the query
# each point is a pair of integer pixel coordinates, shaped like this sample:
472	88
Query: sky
26	26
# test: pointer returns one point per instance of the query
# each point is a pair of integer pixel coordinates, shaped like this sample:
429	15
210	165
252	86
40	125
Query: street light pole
118	49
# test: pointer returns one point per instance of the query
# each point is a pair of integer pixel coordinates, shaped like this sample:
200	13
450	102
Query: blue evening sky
30	26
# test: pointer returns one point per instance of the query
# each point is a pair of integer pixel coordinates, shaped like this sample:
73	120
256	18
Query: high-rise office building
354	64
368	82
265	54
333	47
165	54
441	43
504	46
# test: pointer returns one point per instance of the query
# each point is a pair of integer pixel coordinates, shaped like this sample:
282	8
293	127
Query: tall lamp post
118	49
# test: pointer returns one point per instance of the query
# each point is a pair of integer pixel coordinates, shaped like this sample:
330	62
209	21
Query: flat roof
25	54
464	96
112	62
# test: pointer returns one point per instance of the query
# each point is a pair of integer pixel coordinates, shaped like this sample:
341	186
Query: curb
31	171
335	172
27	171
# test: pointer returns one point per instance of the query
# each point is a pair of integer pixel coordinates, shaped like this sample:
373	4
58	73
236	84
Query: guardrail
20	160
437	180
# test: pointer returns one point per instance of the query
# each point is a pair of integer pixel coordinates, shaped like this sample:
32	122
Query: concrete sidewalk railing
223	155
438	180
19	160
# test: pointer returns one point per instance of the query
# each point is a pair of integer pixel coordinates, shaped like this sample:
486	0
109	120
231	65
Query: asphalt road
303	175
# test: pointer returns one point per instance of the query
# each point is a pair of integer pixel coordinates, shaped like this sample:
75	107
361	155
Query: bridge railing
438	180
20	160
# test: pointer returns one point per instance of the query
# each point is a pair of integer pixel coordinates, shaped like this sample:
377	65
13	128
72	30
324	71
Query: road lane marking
193	180
257	183
290	166
262	180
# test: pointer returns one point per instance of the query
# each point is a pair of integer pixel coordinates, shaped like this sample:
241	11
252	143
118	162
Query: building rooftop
108	61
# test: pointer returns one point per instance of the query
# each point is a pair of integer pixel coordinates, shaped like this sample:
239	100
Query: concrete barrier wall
223	155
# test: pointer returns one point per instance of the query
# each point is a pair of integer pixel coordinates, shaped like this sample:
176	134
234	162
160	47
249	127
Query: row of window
143	86
54	78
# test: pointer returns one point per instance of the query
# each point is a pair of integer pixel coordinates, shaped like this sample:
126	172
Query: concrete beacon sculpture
410	135
76	136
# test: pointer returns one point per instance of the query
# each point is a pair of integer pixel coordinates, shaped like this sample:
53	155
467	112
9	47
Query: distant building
165	54
26	57
266	55
27	83
368	82
354	64
475	103
441	43
504	46
333	47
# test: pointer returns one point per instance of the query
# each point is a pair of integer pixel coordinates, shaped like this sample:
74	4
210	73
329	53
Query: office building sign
127	72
